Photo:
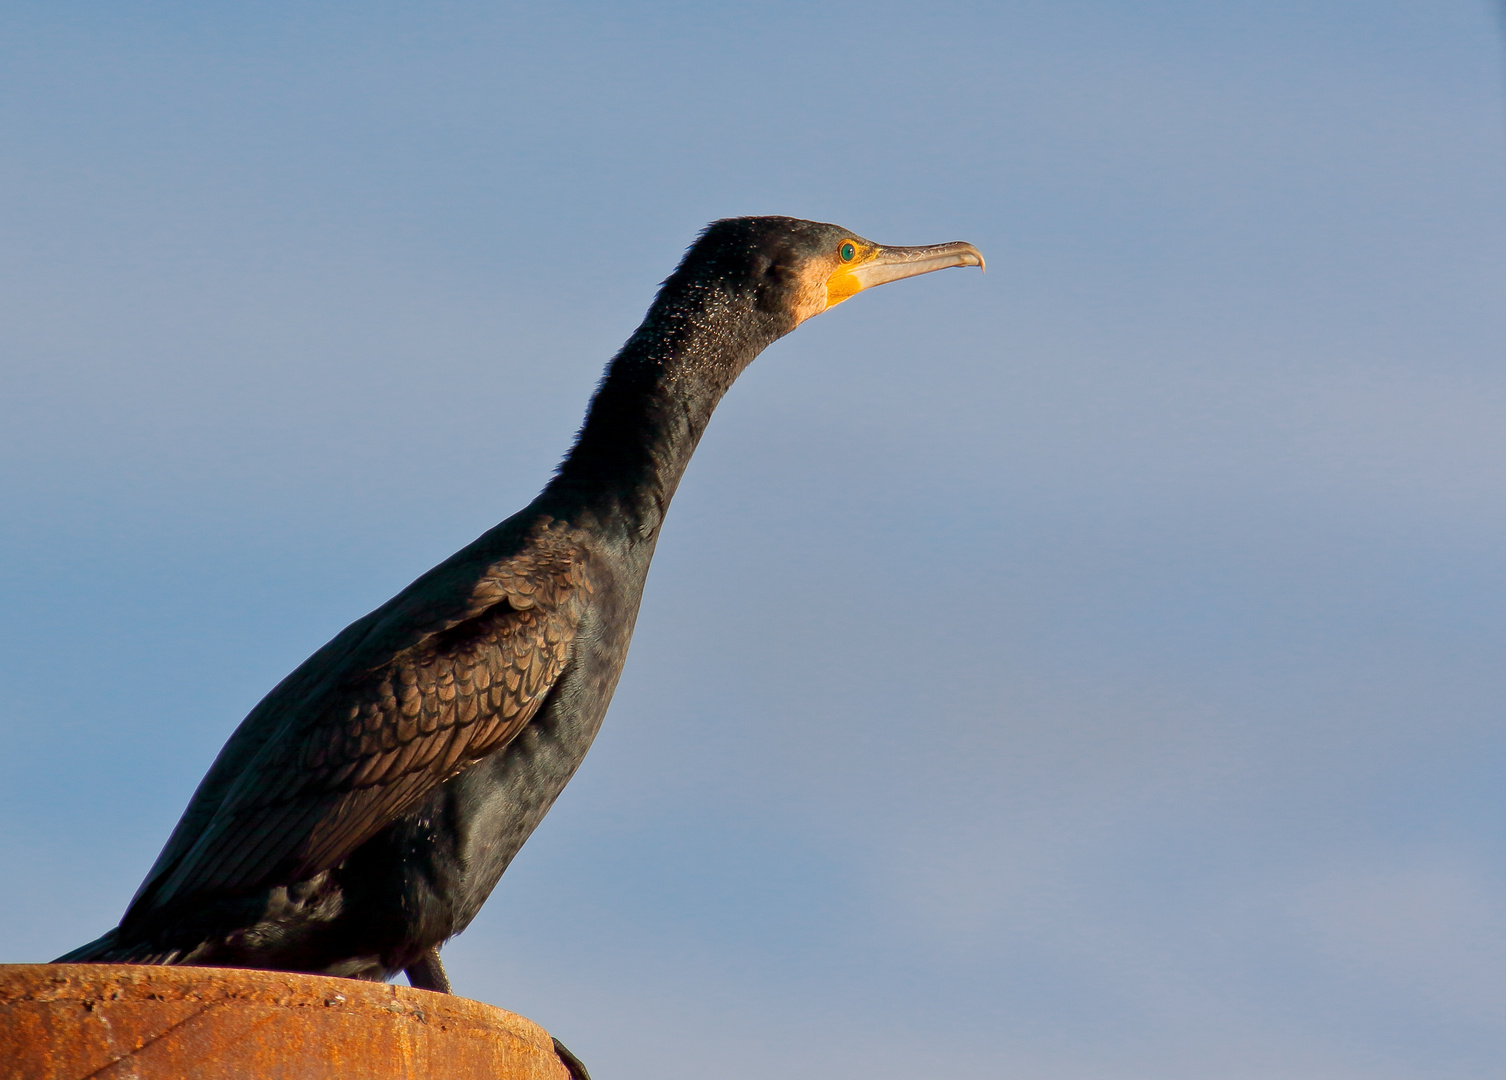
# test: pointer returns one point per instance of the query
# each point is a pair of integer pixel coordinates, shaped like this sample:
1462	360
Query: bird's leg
427	973
570	1062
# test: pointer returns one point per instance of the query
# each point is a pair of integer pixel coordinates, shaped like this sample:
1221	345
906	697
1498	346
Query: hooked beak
883	264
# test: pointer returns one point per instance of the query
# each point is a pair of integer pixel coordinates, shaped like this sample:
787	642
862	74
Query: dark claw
571	1062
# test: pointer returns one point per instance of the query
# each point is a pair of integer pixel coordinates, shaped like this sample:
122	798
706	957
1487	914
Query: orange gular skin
842	284
827	281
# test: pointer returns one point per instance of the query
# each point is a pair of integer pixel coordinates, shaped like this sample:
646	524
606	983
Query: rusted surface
130	1022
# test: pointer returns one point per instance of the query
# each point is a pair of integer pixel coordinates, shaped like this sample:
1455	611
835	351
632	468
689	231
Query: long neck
654	403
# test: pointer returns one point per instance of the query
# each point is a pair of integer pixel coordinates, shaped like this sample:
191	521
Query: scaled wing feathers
415	693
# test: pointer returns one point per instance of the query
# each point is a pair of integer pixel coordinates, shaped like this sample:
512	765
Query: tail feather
109	949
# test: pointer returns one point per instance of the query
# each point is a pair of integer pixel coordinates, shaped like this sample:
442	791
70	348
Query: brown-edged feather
381	738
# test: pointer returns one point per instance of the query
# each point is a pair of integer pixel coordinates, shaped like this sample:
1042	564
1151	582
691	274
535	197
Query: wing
444	674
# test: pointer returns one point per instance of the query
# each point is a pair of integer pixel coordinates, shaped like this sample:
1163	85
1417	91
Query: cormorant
361	814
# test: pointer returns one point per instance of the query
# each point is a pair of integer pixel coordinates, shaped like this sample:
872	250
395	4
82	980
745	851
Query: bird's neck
652	406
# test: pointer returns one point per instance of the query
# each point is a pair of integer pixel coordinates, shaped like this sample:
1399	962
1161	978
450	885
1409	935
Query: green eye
847	252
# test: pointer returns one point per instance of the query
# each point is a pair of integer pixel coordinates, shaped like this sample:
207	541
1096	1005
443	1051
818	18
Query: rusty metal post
130	1022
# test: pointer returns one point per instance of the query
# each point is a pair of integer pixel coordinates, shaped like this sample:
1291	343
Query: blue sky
1088	670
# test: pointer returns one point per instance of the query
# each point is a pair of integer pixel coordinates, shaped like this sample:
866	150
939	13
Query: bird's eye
847	251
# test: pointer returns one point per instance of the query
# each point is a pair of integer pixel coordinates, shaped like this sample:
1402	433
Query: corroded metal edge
67	1021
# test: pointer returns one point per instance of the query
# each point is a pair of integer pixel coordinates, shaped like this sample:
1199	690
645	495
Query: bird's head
797	269
743	284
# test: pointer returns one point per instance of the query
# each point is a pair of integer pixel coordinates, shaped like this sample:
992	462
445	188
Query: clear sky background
1093	669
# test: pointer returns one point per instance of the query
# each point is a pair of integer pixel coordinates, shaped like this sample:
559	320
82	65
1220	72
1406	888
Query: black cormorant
363	811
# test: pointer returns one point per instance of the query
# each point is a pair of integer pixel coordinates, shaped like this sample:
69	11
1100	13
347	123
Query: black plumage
364	810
